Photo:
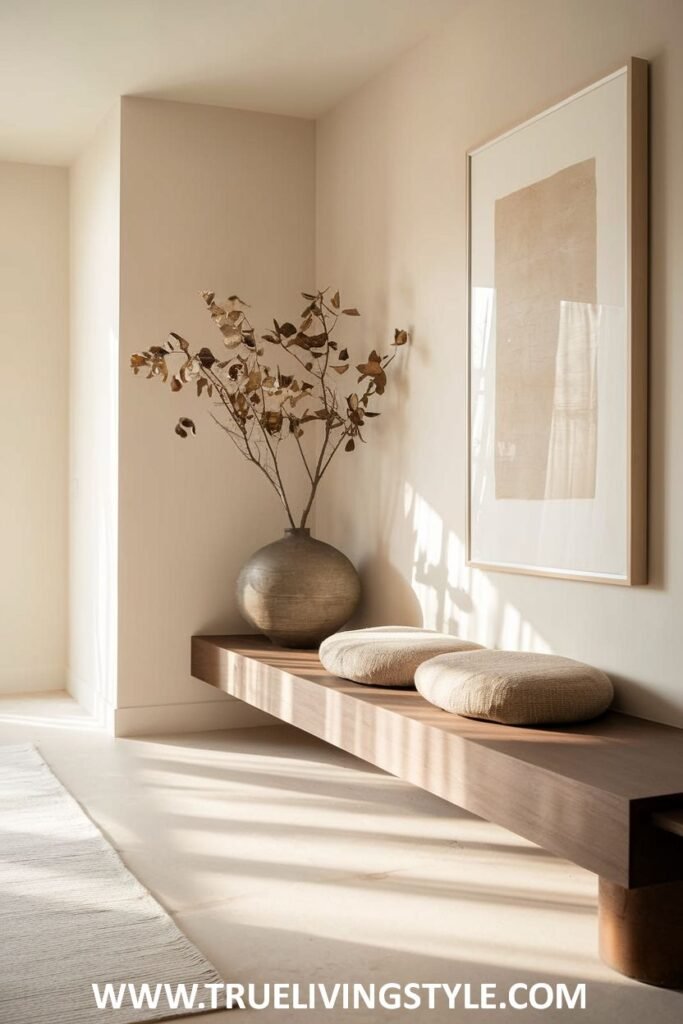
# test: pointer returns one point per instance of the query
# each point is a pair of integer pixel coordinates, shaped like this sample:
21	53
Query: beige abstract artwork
546	413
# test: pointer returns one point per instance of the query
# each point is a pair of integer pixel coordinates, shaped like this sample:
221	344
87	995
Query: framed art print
557	338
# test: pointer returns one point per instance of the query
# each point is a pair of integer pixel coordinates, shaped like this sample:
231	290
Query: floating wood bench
606	794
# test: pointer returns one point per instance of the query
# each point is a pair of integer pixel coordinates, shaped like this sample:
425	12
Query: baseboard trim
199	716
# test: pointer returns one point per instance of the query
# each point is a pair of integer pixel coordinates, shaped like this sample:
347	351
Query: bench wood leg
641	931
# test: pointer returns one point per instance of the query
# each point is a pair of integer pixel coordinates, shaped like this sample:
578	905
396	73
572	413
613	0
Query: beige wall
391	235
93	406
33	438
210	198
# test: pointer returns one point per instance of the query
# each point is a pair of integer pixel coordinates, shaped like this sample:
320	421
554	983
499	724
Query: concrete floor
286	860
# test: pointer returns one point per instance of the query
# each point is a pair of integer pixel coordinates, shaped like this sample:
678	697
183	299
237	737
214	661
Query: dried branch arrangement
261	406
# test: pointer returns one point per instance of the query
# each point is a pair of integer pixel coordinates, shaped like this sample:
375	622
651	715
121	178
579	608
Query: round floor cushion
515	688
385	655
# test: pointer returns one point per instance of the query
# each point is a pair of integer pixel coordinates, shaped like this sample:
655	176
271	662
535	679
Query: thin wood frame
636	71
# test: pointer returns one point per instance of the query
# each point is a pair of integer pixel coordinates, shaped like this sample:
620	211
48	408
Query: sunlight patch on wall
455	598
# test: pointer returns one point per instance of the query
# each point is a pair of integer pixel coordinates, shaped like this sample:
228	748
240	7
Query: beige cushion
515	688
385	655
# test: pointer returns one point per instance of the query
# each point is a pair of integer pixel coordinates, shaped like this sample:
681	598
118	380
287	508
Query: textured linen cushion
385	655
515	688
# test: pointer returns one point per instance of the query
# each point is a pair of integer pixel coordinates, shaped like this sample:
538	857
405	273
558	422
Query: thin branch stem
331	455
302	453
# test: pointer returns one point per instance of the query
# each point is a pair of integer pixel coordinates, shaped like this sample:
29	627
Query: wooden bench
606	794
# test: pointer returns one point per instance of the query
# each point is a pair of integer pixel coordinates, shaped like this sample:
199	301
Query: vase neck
297	531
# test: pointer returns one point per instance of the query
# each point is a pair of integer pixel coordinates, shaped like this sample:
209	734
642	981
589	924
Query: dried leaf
137	360
176	384
351	312
253	381
208	297
270	338
378	377
306	324
185	345
272	421
187	424
235	315
236	298
287	329
206	357
400	337
310	341
350	445
341	368
180	431
344	354
334	301
370	369
231	335
307	296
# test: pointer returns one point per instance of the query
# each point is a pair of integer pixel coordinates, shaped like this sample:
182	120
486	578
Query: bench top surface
627	757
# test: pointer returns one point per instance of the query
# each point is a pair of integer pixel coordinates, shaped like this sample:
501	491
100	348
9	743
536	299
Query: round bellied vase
298	590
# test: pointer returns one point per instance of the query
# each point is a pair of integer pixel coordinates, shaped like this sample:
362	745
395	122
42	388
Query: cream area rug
71	914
